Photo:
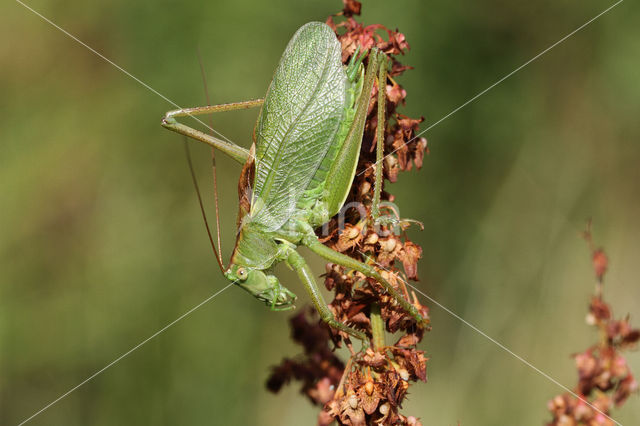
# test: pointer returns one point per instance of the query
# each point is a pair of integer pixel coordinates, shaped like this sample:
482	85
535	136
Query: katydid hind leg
348	262
380	131
343	170
305	274
234	151
376	215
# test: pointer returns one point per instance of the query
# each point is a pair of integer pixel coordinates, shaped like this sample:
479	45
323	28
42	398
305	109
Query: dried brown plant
370	388
604	378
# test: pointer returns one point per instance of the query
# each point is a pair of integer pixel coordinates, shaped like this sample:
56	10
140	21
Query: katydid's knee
295	261
168	121
327	316
169	117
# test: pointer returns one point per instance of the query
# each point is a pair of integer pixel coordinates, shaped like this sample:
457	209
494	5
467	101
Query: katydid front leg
234	151
298	263
348	262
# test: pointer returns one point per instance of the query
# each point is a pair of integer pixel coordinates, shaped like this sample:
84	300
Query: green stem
377	327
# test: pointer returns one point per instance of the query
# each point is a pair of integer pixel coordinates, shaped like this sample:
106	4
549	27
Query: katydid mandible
300	167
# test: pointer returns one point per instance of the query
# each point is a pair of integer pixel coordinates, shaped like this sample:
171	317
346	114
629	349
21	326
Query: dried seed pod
372	239
368	387
353	401
384	409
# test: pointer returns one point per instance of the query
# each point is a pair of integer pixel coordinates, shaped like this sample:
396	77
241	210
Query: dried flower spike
604	378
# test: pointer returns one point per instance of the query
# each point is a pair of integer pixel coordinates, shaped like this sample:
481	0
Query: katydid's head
262	286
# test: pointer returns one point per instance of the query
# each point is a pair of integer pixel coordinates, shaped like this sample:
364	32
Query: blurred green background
101	242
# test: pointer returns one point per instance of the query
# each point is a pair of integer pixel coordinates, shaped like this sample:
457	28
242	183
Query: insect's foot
422	323
395	223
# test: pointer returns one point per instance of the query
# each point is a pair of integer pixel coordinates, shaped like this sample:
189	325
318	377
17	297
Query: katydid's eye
242	273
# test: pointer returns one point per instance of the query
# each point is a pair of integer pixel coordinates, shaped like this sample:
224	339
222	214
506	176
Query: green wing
299	120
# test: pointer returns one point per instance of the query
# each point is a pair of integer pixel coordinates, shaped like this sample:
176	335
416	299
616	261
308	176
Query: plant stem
377	327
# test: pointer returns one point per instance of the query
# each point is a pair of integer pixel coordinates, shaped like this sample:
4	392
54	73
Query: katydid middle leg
236	152
351	263
298	263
